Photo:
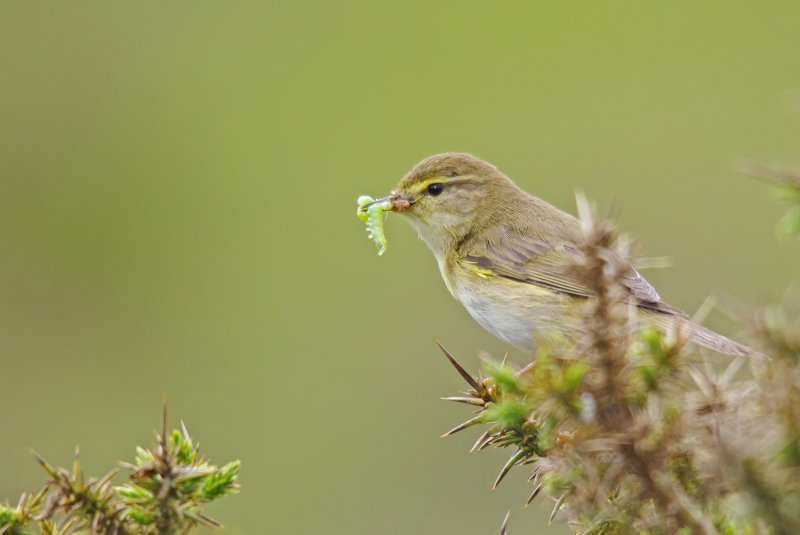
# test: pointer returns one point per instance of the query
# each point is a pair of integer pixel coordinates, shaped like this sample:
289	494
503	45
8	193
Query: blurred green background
177	194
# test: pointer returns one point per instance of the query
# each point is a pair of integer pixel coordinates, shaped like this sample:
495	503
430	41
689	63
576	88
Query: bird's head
446	195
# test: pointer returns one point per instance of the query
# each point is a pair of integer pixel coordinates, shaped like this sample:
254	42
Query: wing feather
536	261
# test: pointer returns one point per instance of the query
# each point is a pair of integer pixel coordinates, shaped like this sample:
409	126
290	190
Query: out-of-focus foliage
786	186
628	430
168	489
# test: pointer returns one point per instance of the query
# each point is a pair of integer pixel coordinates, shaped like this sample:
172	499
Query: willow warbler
507	255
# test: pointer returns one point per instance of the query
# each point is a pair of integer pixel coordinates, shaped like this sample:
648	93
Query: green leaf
574	374
142	518
506	378
143	456
789	225
133	493
222	482
182	447
508	413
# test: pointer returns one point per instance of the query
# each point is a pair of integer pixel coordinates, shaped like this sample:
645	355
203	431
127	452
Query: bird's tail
707	338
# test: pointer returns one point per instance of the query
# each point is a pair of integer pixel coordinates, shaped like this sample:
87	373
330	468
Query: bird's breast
511	310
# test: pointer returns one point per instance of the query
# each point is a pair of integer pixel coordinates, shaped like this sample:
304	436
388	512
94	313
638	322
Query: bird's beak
399	203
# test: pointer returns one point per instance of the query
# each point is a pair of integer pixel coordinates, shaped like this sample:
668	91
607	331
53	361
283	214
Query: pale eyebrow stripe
446	181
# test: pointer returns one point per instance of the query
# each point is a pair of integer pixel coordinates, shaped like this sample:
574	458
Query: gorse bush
167	489
627	429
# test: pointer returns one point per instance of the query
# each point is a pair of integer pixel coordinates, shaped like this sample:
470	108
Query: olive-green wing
534	261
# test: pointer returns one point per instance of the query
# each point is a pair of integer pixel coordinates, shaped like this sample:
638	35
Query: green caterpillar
373	214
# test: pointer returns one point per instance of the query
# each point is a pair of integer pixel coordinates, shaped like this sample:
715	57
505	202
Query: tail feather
707	338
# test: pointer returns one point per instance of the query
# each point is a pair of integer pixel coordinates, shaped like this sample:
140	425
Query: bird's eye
436	188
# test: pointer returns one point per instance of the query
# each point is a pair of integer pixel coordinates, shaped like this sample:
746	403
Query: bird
508	256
